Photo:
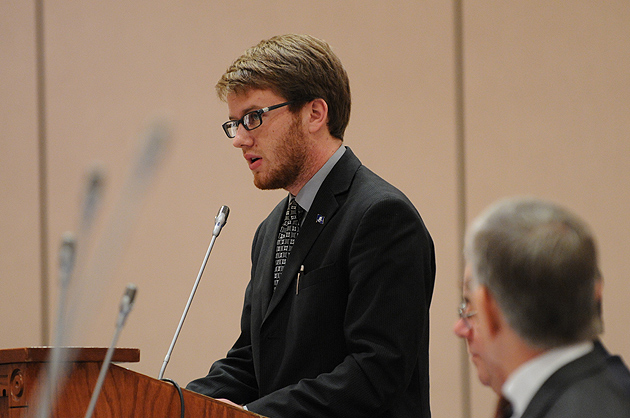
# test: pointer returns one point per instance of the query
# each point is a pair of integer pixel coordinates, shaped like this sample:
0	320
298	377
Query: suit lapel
322	210
567	375
263	286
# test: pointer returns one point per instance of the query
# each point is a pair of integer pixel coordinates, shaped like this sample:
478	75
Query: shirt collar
525	381
307	194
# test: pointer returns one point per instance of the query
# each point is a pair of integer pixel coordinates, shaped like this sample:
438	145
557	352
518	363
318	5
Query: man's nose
461	329
242	137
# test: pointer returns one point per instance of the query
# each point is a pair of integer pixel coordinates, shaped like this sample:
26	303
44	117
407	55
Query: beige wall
20	254
545	99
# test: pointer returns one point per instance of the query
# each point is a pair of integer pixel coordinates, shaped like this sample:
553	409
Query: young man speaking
335	320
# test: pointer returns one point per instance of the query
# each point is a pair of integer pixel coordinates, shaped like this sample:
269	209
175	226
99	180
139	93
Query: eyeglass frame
463	315
229	124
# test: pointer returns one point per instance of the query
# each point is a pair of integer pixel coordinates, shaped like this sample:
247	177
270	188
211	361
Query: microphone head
93	195
67	255
130	292
220	220
126	303
128	297
68	244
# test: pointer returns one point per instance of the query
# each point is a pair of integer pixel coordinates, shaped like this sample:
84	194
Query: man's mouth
254	162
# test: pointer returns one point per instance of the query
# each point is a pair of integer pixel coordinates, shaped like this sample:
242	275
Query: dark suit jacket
594	385
351	338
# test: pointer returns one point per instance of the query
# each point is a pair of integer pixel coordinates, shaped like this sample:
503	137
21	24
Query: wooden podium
125	393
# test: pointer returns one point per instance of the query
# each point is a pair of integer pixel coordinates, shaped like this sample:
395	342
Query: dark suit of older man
594	385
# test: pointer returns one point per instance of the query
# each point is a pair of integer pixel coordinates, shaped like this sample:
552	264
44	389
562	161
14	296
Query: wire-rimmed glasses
464	313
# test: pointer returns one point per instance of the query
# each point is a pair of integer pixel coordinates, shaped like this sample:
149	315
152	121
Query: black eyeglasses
250	121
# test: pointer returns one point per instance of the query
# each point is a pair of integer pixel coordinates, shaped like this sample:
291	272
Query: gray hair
539	261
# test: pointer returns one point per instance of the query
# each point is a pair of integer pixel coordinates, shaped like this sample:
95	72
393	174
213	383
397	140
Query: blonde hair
299	68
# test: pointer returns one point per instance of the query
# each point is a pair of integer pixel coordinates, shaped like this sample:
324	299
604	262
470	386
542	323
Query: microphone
67	255
70	265
93	274
220	221
126	303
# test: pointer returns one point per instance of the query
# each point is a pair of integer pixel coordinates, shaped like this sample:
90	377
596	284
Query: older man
530	314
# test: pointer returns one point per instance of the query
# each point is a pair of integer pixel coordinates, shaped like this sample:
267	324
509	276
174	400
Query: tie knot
294	211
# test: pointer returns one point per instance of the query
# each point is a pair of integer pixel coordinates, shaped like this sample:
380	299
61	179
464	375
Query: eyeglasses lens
230	128
251	120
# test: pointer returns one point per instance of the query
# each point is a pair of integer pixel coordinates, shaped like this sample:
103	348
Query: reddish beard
291	156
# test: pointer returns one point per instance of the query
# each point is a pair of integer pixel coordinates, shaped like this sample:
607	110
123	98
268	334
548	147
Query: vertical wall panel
19	200
111	68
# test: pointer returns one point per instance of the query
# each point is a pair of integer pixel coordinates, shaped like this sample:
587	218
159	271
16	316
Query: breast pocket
317	314
316	277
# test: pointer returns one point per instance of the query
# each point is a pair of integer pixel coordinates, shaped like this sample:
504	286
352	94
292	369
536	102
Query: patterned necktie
286	238
504	408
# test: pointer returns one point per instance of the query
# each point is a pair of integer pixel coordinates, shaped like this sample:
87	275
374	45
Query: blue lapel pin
320	219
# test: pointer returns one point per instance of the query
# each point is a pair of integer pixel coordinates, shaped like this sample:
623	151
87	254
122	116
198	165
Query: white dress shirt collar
524	382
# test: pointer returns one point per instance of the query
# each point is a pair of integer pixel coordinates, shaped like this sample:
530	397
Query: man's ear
317	117
491	310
